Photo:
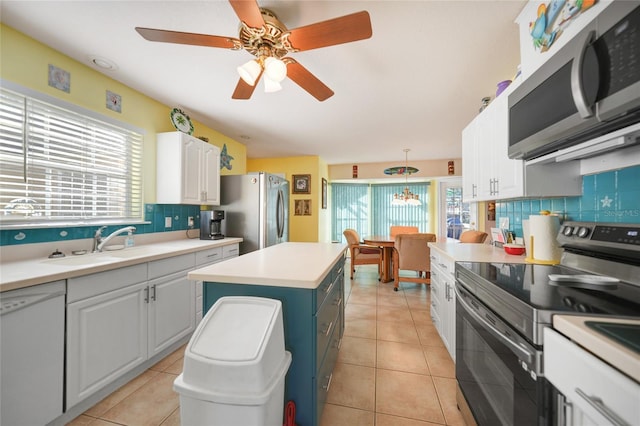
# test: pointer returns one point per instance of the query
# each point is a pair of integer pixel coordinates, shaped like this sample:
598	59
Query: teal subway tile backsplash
153	213
612	196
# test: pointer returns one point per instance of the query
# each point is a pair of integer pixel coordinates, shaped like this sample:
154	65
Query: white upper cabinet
487	172
187	170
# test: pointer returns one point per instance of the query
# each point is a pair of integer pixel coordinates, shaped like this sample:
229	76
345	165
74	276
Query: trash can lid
236	329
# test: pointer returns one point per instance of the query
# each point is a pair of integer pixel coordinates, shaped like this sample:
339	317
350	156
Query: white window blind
57	165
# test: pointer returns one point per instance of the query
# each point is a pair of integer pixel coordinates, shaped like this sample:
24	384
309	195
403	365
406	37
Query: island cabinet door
298	314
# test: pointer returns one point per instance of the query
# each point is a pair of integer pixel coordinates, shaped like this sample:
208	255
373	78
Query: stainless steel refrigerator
256	208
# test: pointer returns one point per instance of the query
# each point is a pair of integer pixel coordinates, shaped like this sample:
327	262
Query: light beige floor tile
81	420
149	405
429	335
446	390
100	422
393	314
170	359
401	357
176	367
120	394
387	420
336	415
421	316
397	332
359	351
355	311
353	386
419	303
407	395
363	298
394	299
365	328
439	361
173	419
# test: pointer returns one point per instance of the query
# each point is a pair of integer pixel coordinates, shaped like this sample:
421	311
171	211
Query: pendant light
406	197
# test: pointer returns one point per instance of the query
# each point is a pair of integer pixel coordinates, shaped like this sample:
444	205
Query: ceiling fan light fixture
271	85
275	69
250	72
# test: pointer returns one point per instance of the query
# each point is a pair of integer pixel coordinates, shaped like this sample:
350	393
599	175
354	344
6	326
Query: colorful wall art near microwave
552	18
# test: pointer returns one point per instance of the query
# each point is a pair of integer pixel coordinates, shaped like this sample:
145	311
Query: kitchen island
308	278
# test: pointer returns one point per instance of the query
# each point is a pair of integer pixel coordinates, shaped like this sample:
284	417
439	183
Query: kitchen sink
135	252
87	259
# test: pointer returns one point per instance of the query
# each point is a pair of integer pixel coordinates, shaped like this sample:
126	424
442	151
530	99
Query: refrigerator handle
280	214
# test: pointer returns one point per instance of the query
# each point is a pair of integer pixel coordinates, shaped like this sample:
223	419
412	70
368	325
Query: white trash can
235	365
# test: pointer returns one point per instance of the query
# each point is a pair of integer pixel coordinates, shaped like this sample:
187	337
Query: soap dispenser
128	241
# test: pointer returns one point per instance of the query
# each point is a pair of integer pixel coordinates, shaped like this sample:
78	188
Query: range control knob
568	230
583	232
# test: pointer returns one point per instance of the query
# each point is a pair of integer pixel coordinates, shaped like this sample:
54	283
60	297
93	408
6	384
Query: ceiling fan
265	37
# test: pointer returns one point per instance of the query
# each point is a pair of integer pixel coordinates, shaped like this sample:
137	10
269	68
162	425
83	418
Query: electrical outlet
167	222
190	222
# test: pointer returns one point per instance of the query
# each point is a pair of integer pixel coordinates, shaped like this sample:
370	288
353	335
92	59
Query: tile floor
392	369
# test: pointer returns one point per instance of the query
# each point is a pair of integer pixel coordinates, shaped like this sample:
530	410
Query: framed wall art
324	193
301	184
302	207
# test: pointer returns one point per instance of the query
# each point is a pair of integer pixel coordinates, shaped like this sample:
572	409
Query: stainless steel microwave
589	88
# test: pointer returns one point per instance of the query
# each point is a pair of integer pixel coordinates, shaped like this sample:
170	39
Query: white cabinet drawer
208	256
102	282
590	384
171	265
232	250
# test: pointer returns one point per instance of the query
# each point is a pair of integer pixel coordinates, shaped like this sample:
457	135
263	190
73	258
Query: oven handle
514	346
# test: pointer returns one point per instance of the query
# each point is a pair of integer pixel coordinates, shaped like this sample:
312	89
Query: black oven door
497	370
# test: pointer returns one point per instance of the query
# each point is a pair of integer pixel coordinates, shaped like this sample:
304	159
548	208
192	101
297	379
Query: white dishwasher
32	354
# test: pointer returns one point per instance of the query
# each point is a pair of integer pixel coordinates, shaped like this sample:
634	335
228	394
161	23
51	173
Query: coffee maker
211	224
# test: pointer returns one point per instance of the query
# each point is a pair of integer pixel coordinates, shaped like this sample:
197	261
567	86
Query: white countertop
607	349
299	265
28	272
472	252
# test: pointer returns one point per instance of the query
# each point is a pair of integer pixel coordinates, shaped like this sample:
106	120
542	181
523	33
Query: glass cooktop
531	285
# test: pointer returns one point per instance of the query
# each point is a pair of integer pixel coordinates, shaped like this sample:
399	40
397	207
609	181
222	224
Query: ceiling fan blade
309	82
244	90
345	29
248	12
166	36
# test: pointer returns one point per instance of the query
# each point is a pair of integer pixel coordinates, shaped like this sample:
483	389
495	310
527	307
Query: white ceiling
416	83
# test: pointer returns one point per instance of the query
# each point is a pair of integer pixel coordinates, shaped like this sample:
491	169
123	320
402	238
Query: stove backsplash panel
612	196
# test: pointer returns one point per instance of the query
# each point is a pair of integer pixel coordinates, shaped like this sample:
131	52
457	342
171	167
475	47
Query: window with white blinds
367	208
57	165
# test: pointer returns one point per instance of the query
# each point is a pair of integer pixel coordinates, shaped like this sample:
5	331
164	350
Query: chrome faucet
99	242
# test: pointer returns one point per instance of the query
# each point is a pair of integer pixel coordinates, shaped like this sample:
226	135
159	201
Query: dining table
385	242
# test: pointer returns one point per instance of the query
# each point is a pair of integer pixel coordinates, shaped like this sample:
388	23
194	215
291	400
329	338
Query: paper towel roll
544	231
526	236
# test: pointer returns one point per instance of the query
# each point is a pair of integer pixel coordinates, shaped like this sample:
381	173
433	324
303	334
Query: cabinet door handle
599	405
146	295
497	187
329	287
338	302
474	190
442	265
328	329
153	292
446	291
328	384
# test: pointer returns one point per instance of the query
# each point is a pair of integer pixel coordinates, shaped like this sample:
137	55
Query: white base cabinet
118	319
443	299
188	170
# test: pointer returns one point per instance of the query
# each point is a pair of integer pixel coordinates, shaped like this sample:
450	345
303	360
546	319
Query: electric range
502	310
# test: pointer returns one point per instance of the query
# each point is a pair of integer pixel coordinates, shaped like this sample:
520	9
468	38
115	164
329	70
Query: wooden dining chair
411	252
473	237
362	254
395	230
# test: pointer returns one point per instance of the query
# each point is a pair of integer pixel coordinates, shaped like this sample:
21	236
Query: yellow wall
25	61
315	227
